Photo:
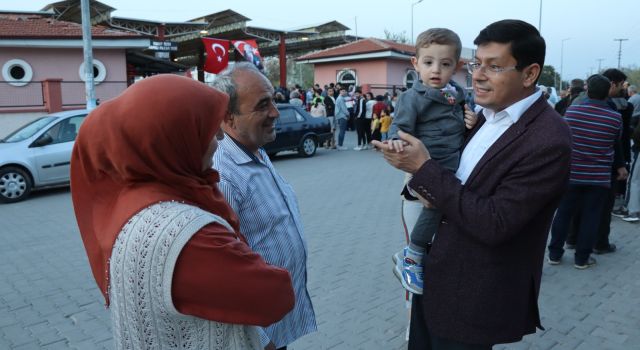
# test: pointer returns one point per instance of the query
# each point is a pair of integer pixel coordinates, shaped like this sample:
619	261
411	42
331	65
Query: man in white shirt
482	275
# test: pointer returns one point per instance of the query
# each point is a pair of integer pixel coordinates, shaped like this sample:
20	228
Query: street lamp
412	5
562	59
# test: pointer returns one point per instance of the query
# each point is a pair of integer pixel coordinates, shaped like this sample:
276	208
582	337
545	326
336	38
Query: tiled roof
363	46
35	26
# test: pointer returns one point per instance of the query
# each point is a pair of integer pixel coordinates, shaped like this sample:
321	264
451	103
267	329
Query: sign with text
163	46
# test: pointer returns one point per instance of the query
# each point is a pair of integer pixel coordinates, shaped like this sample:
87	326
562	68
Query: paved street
350	207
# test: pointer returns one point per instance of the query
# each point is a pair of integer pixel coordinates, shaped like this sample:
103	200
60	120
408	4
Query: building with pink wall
376	65
36	49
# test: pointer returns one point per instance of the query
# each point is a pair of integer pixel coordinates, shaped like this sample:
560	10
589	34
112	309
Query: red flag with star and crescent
217	55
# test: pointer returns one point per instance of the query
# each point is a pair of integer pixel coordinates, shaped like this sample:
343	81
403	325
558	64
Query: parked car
38	154
297	130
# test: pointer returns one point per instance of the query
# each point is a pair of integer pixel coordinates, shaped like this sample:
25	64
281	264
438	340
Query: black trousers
604	229
421	339
588	203
363	128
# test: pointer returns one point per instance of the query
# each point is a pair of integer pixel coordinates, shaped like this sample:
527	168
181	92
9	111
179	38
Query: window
287	115
299	117
17	72
66	130
410	78
347	77
99	71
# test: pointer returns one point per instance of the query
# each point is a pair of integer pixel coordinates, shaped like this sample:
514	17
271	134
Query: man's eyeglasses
491	69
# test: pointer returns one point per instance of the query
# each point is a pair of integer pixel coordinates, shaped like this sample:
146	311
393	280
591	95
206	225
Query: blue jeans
342	125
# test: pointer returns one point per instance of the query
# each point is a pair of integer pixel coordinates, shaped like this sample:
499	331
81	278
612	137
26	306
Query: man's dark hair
598	87
615	75
527	46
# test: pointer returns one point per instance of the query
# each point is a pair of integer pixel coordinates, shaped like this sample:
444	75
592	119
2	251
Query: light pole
540	21
413	40
562	59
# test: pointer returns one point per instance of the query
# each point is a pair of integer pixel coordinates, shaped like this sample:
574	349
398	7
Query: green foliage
549	77
633	75
297	73
397	37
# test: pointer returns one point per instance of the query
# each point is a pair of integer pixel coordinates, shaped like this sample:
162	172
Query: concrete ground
351	213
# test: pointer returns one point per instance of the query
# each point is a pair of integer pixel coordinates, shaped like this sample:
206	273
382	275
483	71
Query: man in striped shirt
265	203
595	127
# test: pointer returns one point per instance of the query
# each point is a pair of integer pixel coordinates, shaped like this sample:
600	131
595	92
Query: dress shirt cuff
264	338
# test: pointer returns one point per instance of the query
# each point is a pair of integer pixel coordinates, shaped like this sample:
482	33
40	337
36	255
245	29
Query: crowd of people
197	242
603	116
348	109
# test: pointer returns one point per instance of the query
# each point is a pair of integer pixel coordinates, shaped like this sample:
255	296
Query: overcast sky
590	25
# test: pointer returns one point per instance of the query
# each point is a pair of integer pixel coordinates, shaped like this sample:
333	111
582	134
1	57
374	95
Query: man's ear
459	64
531	74
229	120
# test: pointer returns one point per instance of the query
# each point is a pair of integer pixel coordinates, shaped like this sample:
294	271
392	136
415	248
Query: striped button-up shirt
270	220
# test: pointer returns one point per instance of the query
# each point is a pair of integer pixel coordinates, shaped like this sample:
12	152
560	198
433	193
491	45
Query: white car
38	154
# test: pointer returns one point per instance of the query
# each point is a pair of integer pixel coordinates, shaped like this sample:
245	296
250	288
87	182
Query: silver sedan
38	154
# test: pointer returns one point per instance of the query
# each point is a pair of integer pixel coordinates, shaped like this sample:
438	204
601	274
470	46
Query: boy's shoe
412	271
551	261
569	246
631	218
397	257
589	263
357	148
620	212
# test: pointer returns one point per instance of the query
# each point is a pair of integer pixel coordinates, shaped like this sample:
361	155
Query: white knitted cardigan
142	264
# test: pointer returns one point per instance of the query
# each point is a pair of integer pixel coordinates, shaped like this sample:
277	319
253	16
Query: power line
620	50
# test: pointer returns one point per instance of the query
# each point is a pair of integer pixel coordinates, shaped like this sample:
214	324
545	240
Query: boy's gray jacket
427	114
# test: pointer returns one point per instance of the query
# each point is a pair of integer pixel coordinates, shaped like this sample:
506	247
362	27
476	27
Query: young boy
432	110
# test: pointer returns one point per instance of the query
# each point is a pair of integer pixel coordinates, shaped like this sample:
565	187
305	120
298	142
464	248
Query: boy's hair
440	36
527	46
598	87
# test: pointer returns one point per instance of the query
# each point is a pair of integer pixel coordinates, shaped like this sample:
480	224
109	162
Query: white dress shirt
496	124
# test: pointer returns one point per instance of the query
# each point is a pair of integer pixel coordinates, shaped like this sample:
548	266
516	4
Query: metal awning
146	65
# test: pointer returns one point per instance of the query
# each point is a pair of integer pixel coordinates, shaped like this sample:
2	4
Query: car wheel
308	146
15	184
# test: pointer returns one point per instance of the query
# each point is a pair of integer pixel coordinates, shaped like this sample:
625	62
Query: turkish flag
249	49
217	55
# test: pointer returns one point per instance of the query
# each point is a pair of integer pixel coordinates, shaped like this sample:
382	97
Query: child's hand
397	145
470	118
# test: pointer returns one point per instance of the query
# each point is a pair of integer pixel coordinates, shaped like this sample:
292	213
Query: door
53	159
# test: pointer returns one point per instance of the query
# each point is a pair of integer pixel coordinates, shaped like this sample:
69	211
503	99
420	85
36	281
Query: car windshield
28	130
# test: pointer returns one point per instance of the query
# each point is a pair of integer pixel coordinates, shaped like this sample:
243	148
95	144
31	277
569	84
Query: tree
633	75
297	73
397	37
549	77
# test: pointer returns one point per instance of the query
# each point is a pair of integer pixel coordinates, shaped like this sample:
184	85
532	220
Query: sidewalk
351	215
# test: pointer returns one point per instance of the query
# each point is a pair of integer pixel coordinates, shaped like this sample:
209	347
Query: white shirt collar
515	111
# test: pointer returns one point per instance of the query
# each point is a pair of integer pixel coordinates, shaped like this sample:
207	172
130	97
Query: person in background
295	99
163	244
317	108
385	123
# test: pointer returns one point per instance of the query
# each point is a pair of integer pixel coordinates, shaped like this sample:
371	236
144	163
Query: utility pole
88	55
599	64
620	50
